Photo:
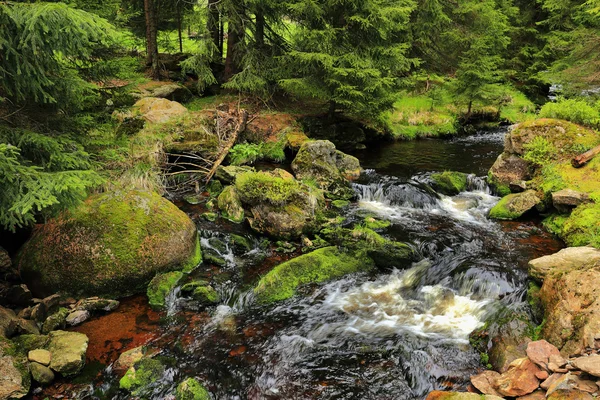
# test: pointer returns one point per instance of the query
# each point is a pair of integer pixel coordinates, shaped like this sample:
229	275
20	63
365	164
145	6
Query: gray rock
41	374
77	317
228	174
567	199
518	186
590	364
172	92
68	352
509	168
515	205
11	380
566	260
97	304
26	326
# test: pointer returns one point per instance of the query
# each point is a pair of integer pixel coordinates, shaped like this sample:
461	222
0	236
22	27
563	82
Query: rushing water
394	334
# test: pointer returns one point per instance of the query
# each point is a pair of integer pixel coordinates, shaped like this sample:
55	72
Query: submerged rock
318	266
191	389
141	375
112	245
515	205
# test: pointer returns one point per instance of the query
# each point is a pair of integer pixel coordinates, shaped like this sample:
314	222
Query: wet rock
318	266
97	304
542	353
520	379
230	205
590	364
77	317
19	295
158	110
40	356
8	322
449	183
142	374
439	395
191	389
509	168
58	320
173	92
509	343
330	169
202	292
241	244
571	297
129	358
566	199
228	174
90	251
41	374
514	205
68	352
485	382
161	286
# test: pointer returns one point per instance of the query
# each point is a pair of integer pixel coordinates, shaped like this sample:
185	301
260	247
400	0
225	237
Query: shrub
574	110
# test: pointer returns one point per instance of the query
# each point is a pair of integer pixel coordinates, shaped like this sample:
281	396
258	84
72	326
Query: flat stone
566	260
26	327
97	304
77	317
520	379
68	352
537	395
542	375
568	198
570	395
41	374
40	356
589	364
550	381
485	382
540	352
570	382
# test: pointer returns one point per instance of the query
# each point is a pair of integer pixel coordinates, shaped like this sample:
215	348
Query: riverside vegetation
226	177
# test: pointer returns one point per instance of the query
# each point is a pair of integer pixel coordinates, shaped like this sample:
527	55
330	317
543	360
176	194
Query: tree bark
213	24
151	38
179	28
584	158
331	112
260	29
234	36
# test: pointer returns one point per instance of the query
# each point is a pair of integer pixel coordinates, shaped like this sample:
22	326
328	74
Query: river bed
394	334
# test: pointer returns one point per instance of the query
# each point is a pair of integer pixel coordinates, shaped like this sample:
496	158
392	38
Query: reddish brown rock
439	395
537	395
570	395
519	380
485	382
540	353
548	382
542	375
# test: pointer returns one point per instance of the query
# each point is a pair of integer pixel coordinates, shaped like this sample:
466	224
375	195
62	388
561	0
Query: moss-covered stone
318	266
449	182
206	295
111	245
514	205
15	379
240	244
230	205
191	389
160	287
68	352
210	216
376	224
340	204
581	228
141	375
58	320
27	343
214	188
280	207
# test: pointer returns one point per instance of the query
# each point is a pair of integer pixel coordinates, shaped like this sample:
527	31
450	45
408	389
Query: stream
395	334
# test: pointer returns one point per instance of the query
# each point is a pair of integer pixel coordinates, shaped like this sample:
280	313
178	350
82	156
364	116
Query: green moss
514	205
582	228
555	223
534	300
502	211
499	189
56	321
206	295
191	389
210	216
26	343
214	188
111	245
230	205
160	287
449	182
376	224
539	151
340	204
241	243
142	374
195	260
259	187
319	266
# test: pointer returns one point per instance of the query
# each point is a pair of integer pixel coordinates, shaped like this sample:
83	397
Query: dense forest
306	195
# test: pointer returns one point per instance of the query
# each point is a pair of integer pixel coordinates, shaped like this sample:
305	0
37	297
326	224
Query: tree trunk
584	158
179	28
221	37
233	42
260	29
213	24
151	38
331	112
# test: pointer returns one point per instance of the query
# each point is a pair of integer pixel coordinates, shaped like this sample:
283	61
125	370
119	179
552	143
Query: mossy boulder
230	205
202	292
157	110
141	375
191	389
189	133
582	227
161	286
68	352
228	174
112	245
318	266
58	320
514	205
15	380
330	169
450	182
279	207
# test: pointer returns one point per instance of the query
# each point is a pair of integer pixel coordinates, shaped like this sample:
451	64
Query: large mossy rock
191	389
514	205
141	375
156	110
230	205
581	228
570	295
319	161
111	245
279	206
450	182
318	266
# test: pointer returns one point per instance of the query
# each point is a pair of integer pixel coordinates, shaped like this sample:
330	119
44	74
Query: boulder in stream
515	205
230	205
191	389
112	245
450	183
161	286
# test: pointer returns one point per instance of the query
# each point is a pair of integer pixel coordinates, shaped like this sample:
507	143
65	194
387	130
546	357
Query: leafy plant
575	110
539	151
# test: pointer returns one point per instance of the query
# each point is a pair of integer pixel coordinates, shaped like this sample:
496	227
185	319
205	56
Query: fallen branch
240	128
584	158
